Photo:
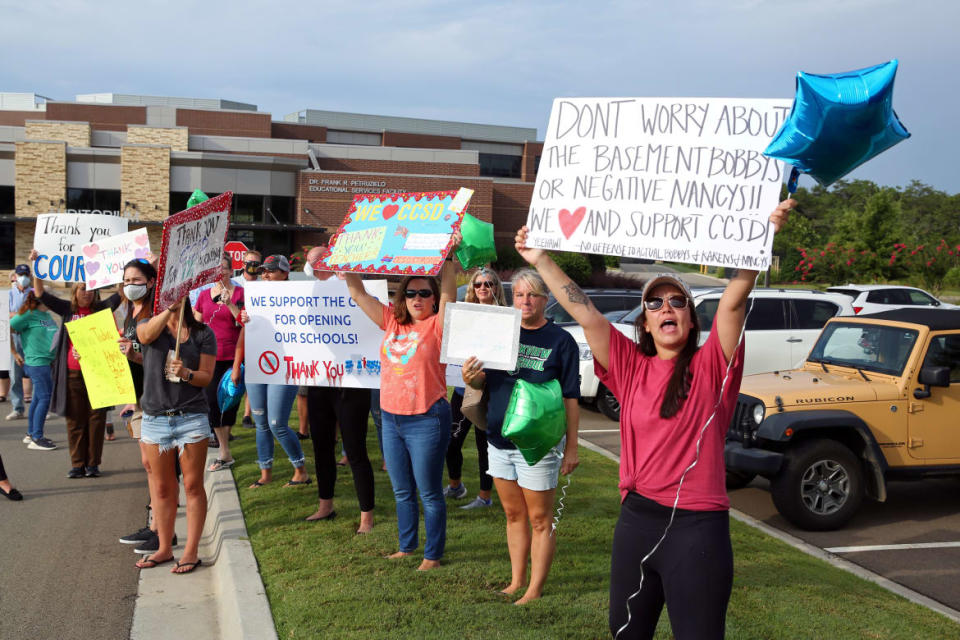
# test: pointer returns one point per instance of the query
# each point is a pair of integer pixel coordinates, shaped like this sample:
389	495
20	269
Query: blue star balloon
838	122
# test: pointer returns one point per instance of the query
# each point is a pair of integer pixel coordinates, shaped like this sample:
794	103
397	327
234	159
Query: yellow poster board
106	372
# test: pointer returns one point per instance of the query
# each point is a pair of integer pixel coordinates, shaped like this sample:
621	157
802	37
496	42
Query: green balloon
196	198
535	420
477	246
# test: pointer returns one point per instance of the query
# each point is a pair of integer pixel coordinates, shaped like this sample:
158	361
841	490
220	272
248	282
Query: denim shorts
509	464
168	432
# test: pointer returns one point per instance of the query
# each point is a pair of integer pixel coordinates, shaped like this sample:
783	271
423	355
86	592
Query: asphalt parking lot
912	539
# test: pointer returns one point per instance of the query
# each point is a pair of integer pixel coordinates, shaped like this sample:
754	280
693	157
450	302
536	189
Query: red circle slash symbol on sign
235	249
269	362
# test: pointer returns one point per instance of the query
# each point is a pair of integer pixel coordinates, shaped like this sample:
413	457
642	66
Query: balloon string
563	496
683	476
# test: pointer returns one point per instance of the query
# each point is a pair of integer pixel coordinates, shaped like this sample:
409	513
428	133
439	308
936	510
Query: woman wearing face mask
413	400
219	308
270	405
175	418
484	287
85	425
36	328
676	402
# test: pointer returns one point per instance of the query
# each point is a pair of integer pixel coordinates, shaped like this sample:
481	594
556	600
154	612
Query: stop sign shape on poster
235	249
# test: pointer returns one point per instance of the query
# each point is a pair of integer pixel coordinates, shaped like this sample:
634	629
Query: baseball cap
276	263
665	278
22	270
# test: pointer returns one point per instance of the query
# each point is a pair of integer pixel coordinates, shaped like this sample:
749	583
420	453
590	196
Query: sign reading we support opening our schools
397	233
191	249
675	179
311	333
60	237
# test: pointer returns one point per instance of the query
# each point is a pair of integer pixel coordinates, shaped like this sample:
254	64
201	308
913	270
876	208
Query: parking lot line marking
599	431
893	547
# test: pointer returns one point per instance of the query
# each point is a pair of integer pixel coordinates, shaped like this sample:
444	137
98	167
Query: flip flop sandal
147	563
192	565
220	465
298	483
257	485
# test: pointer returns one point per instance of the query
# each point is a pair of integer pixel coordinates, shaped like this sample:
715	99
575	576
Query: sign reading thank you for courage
676	179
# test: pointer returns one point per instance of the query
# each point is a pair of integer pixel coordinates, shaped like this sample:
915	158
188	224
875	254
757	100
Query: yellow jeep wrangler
877	398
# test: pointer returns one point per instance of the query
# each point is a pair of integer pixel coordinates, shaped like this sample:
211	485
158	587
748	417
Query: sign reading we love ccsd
674	179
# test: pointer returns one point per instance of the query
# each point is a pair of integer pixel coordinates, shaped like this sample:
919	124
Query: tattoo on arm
575	294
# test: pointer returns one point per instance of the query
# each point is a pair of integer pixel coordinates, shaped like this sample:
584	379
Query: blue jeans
415	448
270	406
42	378
16	379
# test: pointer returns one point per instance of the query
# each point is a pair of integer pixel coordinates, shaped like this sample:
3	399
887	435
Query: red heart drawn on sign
570	221
390	210
91	250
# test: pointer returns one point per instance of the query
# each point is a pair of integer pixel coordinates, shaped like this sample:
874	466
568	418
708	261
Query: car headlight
758	412
585	353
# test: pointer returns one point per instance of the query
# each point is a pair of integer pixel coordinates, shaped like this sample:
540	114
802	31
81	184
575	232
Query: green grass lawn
324	581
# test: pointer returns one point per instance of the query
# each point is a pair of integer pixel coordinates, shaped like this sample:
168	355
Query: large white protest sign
104	259
59	238
311	333
464	321
4	329
675	179
192	248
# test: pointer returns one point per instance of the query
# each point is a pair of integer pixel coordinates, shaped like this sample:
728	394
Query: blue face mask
23	281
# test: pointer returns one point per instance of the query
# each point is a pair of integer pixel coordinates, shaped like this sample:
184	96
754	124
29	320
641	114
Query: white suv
782	326
872	298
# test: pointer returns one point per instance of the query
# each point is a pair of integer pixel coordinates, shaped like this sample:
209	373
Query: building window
106	200
499	165
7	229
247	209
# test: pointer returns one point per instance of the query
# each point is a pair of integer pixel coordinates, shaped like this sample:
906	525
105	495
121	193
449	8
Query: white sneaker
477	503
15	415
42	444
27	439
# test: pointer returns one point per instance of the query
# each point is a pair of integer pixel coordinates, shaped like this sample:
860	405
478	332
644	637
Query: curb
817	552
226	597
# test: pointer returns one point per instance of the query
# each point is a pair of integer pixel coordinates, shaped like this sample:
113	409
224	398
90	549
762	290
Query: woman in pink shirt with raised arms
675	398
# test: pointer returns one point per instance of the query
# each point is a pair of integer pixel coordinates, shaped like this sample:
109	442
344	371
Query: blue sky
495	62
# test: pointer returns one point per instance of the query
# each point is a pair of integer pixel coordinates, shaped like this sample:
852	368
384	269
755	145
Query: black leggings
326	406
3	473
459	429
218	419
692	571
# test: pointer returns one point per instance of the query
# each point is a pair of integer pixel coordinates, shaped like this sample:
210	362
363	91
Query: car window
706	310
812	314
944	351
920	298
870	347
883	296
767	314
604	304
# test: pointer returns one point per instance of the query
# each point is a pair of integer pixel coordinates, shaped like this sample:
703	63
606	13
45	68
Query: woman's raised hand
520	243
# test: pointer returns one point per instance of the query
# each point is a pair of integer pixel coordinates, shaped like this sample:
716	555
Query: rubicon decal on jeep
875	399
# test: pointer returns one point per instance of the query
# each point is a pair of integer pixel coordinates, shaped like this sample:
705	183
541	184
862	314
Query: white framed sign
310	332
674	179
489	332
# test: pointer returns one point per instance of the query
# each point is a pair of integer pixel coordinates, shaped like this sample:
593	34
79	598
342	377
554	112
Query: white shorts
509	464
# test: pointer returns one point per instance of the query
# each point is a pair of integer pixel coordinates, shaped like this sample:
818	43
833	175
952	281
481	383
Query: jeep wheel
739	479
608	404
820	486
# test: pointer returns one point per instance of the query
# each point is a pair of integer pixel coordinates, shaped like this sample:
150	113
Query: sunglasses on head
141	260
677	302
482	283
423	293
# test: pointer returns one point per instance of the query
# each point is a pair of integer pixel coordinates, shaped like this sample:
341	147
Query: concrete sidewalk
224	597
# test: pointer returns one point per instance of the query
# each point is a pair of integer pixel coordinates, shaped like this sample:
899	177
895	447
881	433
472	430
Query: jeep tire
608	404
820	486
